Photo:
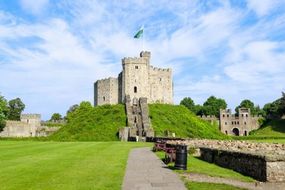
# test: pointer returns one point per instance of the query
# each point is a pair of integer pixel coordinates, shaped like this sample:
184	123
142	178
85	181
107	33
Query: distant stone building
239	125
138	79
28	126
210	118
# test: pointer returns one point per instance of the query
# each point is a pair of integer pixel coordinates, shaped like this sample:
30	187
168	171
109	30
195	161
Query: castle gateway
138	79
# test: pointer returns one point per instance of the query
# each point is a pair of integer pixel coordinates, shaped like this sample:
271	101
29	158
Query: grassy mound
87	123
182	122
101	123
273	128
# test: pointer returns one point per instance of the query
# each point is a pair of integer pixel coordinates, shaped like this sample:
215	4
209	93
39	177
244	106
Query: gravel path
145	171
247	185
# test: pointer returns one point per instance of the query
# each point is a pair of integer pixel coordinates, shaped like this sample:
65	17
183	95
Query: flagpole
143	38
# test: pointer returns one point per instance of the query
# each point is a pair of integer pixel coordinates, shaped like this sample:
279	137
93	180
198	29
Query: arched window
226	132
135	89
104	98
245	133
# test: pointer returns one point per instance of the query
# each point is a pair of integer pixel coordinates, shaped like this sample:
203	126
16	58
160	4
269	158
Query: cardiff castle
138	79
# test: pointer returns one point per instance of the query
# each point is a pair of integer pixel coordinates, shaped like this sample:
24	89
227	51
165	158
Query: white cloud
263	7
34	6
88	39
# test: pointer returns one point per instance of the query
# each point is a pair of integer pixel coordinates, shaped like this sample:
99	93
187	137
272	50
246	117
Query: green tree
282	104
271	109
16	106
3	112
259	111
188	103
213	105
72	108
247	104
56	117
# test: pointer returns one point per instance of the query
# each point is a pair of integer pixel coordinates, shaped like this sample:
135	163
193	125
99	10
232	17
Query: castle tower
135	76
138	79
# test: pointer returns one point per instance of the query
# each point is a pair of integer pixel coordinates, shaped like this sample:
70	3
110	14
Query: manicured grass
63	165
195	165
209	186
182	122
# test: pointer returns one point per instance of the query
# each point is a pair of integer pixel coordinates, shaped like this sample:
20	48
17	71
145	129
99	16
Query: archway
245	133
236	131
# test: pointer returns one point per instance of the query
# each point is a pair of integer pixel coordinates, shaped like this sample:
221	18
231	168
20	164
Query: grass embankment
196	165
87	123
274	128
63	165
102	123
271	131
182	122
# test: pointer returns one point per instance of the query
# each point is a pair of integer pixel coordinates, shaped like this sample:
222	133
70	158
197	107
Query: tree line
10	110
212	106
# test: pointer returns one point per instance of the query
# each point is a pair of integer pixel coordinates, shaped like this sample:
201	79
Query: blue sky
51	51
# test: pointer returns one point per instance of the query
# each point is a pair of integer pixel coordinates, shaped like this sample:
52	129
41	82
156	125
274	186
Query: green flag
139	33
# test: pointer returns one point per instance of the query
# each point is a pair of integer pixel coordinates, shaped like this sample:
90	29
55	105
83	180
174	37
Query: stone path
145	171
247	185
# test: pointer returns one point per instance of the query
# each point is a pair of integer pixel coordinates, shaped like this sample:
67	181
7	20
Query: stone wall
263	161
29	126
262	168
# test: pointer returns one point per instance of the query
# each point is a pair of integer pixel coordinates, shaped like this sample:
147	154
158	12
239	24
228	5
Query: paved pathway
145	171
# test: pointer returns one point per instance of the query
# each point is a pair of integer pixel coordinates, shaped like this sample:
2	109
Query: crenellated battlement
106	79
31	116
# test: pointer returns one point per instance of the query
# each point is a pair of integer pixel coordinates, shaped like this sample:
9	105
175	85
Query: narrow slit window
135	89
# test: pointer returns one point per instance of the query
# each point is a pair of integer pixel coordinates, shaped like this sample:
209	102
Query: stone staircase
137	120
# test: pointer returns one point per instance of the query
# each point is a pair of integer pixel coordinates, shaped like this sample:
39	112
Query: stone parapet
258	166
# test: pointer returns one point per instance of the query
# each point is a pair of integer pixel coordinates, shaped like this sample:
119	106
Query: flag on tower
139	33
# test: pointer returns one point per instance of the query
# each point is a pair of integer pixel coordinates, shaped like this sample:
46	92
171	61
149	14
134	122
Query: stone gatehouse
239	125
138	79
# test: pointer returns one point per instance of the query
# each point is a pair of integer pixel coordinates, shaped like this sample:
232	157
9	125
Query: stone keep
138	79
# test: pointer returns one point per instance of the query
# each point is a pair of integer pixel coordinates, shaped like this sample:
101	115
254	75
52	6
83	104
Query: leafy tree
247	104
282	104
272	109
16	106
3	112
259	111
72	108
56	117
188	103
213	105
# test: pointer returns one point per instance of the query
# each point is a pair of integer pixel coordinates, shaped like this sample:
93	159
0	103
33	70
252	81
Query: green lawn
63	165
195	165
